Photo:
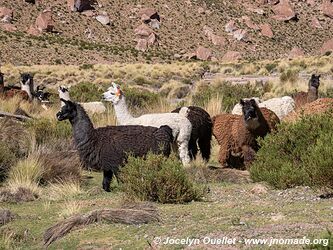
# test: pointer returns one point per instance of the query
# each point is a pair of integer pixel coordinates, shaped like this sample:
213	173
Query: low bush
227	92
160	179
86	92
7	159
299	153
138	99
46	129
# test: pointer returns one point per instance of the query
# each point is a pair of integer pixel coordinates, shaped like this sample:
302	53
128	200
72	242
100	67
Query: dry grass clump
63	190
133	215
6	216
70	208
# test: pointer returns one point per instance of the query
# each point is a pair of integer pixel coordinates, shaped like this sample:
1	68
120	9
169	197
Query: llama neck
312	94
259	126
65	96
122	113
27	89
82	127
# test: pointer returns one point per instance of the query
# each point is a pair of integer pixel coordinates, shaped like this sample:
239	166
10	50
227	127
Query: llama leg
223	156
249	155
193	148
107	178
183	140
205	147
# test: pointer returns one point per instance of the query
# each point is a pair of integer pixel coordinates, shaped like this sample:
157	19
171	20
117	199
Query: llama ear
253	102
241	102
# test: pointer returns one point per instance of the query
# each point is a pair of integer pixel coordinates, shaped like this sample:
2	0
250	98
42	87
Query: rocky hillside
78	32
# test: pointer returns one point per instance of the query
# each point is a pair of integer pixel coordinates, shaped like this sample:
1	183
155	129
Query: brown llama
301	98
237	134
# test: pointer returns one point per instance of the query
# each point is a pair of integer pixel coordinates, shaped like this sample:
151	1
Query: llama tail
204	142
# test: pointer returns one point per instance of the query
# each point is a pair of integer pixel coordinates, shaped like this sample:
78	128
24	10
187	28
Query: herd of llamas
186	130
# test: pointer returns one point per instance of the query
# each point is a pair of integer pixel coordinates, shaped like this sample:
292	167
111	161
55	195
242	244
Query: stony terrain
207	29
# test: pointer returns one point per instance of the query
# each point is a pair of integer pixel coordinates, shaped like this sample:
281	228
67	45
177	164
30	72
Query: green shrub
86	92
298	154
160	179
137	99
229	93
290	75
45	129
7	159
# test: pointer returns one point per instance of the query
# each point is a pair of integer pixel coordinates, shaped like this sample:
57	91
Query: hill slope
80	39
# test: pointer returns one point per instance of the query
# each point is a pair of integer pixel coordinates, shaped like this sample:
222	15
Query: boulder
296	52
142	45
44	21
283	11
240	35
203	53
6	15
154	23
33	31
248	22
218	40
147	14
143	31
327	46
231	56
266	30
103	19
79	5
8	27
315	23
230	26
327	8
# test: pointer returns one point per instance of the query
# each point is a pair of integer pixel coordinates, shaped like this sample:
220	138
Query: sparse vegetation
158	179
299	154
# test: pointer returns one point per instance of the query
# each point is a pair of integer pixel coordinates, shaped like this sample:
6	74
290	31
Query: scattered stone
6	15
143	31
315	23
142	45
201	11
277	217
259	189
33	31
327	46
248	22
240	35
203	53
283	11
44	22
230	26
296	52
327	8
88	13
266	30
311	3
103	19
154	23
8	27
218	40
231	56
79	5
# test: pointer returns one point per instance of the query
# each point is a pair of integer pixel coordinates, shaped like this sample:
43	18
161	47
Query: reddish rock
44	21
88	13
218	40
230	26
327	46
151	40
142	45
327	8
296	52
266	30
6	15
8	27
79	5
248	22
203	53
231	56
148	13
241	35
315	23
283	11
143	31
33	31
208	31
311	3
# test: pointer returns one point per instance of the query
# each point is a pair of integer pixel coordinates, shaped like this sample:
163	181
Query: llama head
41	94
314	81
114	94
68	111
26	79
250	113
